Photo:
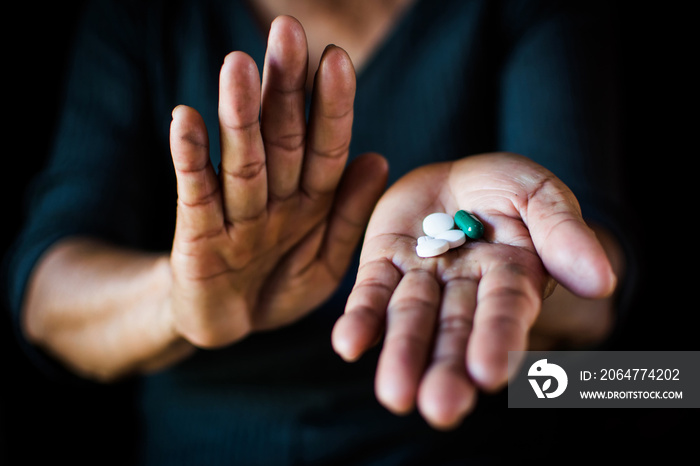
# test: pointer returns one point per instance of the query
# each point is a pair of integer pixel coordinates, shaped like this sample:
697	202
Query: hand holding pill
268	238
449	320
440	235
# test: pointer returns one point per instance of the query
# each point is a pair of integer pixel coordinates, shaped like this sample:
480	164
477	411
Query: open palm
267	239
449	321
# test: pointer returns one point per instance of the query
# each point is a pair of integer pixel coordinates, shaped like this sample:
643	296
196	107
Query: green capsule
469	224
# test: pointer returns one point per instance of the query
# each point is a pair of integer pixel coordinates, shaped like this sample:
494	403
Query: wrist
175	346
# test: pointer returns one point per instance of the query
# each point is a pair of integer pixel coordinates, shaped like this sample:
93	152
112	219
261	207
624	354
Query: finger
508	300
330	125
283	105
360	188
446	394
568	248
199	197
410	323
363	321
243	170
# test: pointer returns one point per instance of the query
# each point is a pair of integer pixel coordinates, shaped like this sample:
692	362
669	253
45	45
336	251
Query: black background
42	420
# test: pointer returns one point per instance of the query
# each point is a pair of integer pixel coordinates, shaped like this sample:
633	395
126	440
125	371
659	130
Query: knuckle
332	152
246	171
456	324
288	142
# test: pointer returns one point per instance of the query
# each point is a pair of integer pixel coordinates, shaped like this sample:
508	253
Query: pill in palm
436	223
455	238
423	238
431	247
469	224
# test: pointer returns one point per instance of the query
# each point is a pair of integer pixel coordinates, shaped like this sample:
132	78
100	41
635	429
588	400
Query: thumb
359	190
568	247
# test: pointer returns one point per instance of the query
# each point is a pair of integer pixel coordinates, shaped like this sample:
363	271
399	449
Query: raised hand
270	237
449	321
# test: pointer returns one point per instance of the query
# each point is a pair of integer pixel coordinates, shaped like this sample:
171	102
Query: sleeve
560	106
100	175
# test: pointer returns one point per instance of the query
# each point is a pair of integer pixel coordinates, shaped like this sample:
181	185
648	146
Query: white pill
436	223
455	238
421	239
432	247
